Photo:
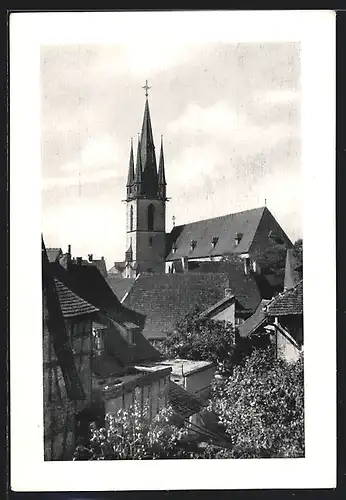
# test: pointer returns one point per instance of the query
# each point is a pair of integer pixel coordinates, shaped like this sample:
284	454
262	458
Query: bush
201	340
130	434
261	408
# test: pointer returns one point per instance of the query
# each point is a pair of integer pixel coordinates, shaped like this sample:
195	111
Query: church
151	250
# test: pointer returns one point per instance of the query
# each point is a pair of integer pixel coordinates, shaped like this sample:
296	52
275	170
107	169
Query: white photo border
315	30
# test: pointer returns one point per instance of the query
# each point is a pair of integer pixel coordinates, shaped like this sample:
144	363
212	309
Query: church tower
145	204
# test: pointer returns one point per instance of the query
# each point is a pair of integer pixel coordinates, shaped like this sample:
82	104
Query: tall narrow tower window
131	218
151	213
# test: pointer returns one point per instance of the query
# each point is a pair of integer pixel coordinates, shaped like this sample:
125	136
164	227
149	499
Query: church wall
262	240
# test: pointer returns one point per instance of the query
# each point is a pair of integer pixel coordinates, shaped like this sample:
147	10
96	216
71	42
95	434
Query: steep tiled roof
166	298
72	305
243	286
226	228
183	402
88	283
53	254
257	319
120	286
288	302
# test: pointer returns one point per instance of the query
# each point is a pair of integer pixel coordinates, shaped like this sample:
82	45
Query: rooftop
179	366
233	233
166	298
71	304
288	302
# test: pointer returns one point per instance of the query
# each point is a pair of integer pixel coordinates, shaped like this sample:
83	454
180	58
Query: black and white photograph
173	219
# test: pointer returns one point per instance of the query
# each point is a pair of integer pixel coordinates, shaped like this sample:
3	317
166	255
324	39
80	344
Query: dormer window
214	240
238	238
193	244
174	248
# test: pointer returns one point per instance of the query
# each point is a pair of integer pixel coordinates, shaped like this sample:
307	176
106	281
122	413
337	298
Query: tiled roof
99	263
288	302
53	254
243	286
72	305
257	319
226	228
88	283
166	298
219	305
183	402
120	286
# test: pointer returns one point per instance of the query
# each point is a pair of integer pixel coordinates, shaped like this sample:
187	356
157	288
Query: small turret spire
131	174
162	177
139	172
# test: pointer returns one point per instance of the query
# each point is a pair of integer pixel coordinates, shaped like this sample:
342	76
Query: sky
230	119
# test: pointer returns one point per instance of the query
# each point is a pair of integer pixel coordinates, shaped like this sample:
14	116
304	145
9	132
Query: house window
131	218
214	241
151	213
98	343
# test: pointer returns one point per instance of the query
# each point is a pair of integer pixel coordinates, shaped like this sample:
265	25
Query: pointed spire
162	177
131	174
148	157
139	171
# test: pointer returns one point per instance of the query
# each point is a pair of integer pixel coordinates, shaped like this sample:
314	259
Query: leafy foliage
298	251
201	339
261	408
130	434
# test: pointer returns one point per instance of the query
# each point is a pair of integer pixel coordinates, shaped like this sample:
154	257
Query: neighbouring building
282	316
286	314
64	393
189	387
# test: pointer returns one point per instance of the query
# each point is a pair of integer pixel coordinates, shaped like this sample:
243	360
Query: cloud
100	159
279	96
133	60
222	122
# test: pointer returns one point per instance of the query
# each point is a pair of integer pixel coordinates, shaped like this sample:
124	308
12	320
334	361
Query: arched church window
151	212
131	218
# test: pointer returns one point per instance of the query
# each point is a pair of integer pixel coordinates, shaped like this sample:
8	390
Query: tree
201	339
261	408
298	251
130	434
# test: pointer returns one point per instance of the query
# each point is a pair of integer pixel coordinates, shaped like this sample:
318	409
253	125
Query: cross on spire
146	88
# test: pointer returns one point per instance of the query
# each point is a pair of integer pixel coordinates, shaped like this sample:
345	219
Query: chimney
69	249
228	292
90	257
79	261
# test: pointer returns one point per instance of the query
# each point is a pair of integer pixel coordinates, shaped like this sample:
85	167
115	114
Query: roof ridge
222	216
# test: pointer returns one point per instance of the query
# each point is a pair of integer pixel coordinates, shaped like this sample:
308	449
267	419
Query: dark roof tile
183	402
225	228
120	286
71	304
166	298
257	319
287	303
